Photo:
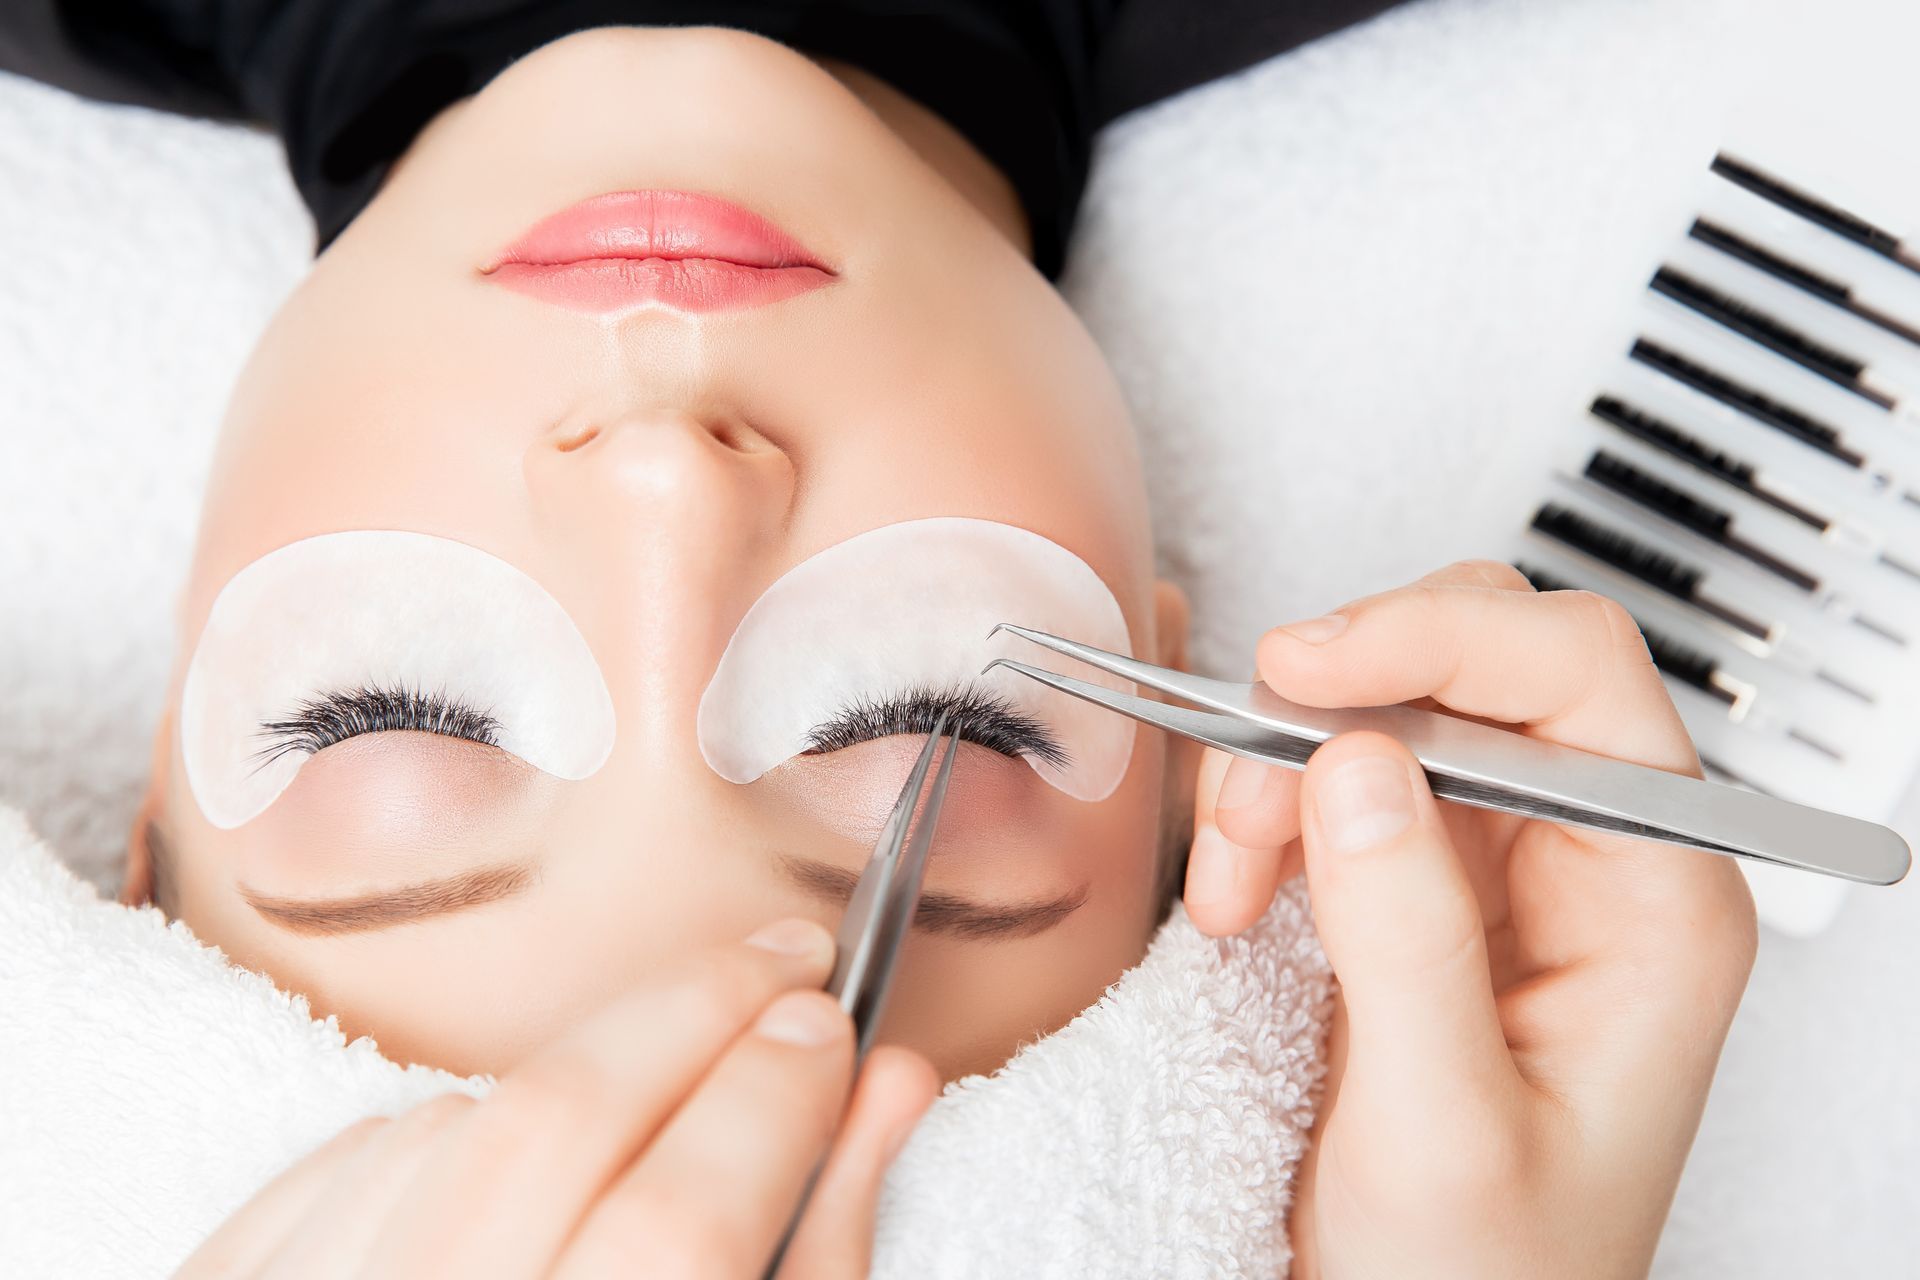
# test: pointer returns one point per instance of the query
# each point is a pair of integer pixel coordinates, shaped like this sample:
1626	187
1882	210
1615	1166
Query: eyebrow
389	907
942	913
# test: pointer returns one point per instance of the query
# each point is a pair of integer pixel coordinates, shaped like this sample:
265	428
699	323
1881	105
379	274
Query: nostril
736	434
578	440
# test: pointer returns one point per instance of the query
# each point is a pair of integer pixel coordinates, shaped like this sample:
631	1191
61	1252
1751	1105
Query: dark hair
1176	838
160	882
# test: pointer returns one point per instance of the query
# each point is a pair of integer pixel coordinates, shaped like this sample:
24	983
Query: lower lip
677	249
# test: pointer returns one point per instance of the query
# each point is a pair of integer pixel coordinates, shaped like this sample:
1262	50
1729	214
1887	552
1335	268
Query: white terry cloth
148	1088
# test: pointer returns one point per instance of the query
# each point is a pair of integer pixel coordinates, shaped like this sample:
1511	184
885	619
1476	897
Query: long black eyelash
318	723
973	713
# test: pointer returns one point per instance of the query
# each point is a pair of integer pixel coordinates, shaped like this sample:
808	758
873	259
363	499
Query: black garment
348	83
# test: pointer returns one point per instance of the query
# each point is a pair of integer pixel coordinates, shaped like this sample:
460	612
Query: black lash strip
973	714
318	723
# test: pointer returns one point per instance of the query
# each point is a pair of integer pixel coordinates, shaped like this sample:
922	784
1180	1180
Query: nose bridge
656	518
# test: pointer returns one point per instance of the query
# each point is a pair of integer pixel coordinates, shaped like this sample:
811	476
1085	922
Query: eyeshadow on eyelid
430	802
847	794
461	767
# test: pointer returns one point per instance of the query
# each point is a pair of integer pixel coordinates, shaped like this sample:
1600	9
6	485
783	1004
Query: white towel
148	1088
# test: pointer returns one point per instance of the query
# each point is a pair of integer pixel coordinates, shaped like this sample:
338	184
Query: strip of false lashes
1769	327
1762	408
318	723
972	714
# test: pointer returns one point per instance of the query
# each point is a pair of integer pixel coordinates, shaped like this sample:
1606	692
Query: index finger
1568	666
721	1180
503	1196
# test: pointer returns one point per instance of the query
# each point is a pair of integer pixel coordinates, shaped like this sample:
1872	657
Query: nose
660	518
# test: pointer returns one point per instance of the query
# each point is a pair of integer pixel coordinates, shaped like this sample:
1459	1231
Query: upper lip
669	225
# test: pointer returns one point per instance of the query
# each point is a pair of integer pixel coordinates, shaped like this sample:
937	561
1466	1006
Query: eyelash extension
973	714
318	723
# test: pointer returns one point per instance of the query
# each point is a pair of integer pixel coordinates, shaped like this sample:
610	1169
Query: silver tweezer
1476	764
867	949
886	895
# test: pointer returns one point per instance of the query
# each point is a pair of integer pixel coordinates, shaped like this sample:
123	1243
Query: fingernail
1244	781
1213	867
804	1019
1317	630
794	937
1363	803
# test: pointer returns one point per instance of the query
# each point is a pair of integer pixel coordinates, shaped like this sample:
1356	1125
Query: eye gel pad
381	609
903	609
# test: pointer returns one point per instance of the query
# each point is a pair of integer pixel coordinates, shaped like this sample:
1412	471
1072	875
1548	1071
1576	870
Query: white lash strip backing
383	609
909	606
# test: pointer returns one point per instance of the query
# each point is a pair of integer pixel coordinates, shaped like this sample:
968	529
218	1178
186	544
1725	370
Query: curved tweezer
1478	764
884	900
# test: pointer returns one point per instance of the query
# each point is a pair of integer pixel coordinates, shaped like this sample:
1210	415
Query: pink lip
685	250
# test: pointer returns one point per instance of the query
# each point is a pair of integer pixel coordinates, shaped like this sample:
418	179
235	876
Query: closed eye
319	723
973	714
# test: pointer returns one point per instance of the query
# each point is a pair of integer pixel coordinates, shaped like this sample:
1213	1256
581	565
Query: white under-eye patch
906	609
446	628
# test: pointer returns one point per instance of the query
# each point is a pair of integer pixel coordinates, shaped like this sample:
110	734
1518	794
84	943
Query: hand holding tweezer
1491	768
875	925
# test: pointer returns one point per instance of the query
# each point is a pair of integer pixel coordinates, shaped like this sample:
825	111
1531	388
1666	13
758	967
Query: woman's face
654	470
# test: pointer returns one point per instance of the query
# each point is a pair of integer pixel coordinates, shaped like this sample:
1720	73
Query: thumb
1401	925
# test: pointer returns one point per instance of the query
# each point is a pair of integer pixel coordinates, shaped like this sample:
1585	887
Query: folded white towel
148	1087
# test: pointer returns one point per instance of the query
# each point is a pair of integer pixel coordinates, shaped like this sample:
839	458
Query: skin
655	473
1529	1017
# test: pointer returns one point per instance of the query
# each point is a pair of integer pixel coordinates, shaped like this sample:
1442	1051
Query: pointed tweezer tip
1012	665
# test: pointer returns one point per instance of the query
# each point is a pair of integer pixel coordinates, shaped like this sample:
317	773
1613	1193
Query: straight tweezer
867	948
884	899
1491	768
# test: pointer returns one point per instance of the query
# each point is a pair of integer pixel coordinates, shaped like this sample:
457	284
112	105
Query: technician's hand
669	1135
1529	1015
